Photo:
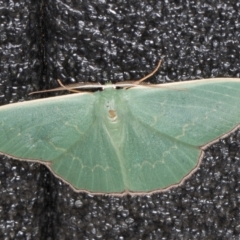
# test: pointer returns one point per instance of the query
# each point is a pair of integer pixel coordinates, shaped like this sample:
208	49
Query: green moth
136	139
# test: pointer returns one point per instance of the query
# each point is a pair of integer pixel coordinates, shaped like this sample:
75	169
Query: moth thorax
111	111
112	114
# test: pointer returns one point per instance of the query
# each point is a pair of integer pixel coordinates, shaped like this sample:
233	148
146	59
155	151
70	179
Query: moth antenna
150	74
65	87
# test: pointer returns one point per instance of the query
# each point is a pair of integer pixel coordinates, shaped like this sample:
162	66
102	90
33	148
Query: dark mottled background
90	40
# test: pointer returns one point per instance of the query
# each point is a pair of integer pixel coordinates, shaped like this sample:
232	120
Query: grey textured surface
101	41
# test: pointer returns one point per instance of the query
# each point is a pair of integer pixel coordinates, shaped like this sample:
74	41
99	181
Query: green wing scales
136	140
